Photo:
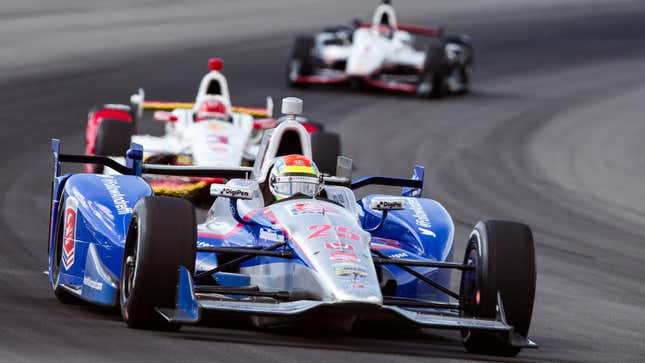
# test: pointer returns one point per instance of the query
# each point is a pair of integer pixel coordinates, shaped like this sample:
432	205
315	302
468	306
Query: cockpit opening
289	144
214	88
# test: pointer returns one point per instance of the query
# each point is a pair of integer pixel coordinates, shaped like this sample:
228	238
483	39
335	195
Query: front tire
161	238
301	60
503	254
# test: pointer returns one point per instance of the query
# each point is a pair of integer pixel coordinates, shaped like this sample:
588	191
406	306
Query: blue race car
325	257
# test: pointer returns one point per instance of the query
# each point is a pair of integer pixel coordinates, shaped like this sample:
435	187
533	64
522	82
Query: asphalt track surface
551	135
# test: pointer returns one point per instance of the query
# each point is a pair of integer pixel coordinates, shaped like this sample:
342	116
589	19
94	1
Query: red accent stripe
421	30
414	29
226	235
321	79
271	217
264	123
391	86
310	128
233	231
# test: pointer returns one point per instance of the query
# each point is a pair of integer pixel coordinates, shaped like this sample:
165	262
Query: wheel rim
425	86
469	290
58	247
129	270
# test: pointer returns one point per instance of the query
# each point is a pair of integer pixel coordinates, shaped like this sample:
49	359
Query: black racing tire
326	147
112	139
61	294
301	62
503	254
161	238
435	69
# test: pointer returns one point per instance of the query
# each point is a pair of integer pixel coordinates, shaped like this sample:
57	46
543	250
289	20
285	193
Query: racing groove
551	136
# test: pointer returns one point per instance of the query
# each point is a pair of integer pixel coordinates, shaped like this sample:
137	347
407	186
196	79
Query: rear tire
301	61
112	139
325	147
161	238
504	258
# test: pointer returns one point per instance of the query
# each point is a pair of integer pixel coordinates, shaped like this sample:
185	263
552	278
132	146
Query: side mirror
344	167
269	107
387	203
137	100
232	192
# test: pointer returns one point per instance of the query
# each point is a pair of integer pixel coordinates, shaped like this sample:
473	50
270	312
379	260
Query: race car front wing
189	307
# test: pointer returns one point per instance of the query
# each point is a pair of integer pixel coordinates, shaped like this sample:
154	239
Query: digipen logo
236	193
69	234
390	204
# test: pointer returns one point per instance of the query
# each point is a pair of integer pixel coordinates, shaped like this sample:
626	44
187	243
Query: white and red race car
384	54
207	132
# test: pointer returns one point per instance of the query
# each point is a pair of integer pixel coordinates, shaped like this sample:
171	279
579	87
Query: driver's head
385	27
212	108
293	174
385	19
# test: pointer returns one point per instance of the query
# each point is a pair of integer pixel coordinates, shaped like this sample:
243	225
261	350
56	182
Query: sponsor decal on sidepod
421	218
92	284
118	198
69	234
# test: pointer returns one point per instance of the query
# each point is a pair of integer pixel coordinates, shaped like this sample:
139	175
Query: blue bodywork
99	233
102	206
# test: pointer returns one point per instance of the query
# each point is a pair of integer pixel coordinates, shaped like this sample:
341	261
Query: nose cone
367	55
329	240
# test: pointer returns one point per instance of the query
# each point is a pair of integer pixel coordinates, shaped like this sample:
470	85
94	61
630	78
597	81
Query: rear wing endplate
133	158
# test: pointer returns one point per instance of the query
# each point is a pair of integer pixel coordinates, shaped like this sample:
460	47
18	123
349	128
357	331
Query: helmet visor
286	186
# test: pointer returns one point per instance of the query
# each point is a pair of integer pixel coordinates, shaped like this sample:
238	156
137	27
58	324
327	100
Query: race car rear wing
135	166
412	187
415	29
164	105
139	103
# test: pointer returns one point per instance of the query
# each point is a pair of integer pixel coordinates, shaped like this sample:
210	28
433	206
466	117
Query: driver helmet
294	174
212	108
